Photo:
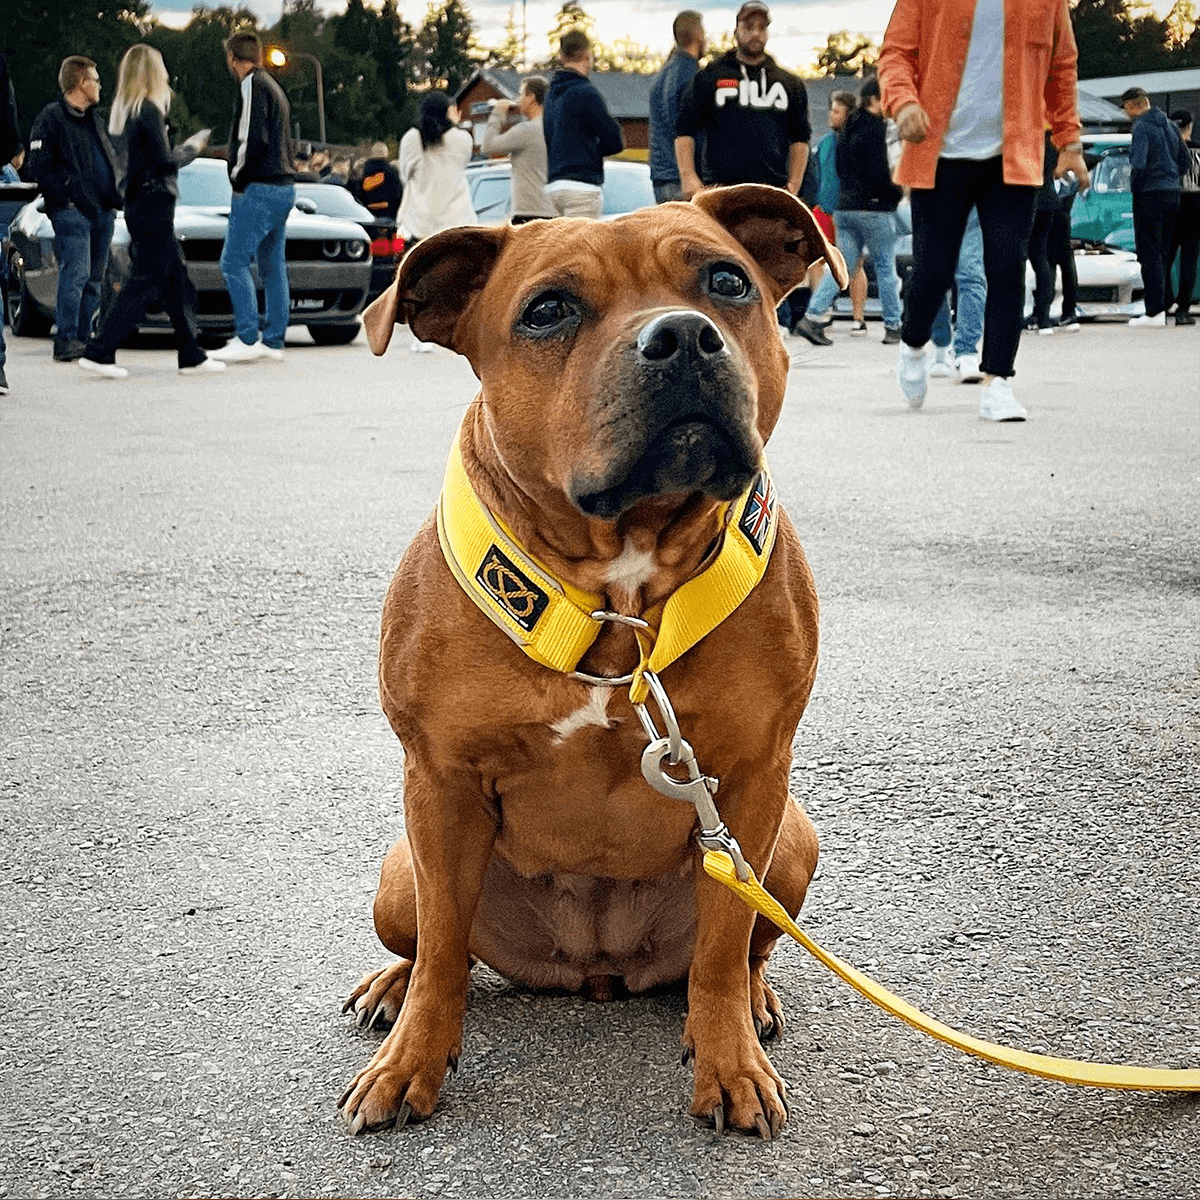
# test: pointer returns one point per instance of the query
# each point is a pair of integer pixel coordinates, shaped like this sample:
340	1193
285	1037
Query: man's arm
685	160
797	161
691	119
609	137
519	137
1059	94
46	163
898	72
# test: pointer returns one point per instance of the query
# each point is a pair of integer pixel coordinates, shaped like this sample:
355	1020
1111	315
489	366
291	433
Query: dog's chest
572	798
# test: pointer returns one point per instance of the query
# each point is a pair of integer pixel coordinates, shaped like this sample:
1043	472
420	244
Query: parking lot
1000	757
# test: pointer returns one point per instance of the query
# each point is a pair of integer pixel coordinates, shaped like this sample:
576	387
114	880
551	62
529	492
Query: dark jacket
752	116
1157	154
260	138
665	93
579	129
10	138
862	166
74	161
151	164
379	187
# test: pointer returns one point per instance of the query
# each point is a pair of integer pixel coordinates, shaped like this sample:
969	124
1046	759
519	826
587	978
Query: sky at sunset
798	29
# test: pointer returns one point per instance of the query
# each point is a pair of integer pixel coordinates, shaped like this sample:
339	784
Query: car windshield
333	200
206	185
626	191
1113	172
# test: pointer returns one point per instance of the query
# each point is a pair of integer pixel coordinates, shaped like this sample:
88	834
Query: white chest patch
631	568
594	712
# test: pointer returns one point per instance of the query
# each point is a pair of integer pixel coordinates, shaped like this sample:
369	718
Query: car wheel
333	335
23	315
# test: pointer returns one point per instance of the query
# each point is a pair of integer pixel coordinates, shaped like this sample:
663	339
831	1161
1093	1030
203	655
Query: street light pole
277	56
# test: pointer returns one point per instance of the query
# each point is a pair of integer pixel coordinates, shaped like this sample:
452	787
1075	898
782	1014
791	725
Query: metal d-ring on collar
612	680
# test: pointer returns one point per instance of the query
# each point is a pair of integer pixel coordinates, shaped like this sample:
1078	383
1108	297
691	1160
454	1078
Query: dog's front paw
736	1087
378	997
396	1087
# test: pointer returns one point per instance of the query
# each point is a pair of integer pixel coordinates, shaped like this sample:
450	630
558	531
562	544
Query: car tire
333	335
23	316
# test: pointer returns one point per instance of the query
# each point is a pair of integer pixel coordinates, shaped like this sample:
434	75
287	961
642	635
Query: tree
36	35
570	16
627	55
511	52
446	44
847	54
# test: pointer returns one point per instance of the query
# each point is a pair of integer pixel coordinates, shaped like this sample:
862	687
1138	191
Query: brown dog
631	373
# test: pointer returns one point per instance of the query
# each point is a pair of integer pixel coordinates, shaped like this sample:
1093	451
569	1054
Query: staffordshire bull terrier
630	374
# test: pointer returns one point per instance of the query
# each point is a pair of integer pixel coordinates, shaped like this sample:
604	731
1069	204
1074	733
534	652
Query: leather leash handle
1066	1070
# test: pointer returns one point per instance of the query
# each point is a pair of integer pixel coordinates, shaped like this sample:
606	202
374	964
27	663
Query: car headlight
356	250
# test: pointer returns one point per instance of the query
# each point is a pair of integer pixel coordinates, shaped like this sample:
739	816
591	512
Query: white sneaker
108	370
274	353
1071	326
997	402
1158	321
1045	331
911	375
968	369
942	364
237	351
422	347
858	329
203	367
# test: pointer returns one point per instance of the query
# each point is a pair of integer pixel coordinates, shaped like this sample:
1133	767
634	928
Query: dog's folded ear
776	228
437	280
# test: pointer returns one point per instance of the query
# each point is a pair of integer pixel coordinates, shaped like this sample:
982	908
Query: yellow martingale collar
553	622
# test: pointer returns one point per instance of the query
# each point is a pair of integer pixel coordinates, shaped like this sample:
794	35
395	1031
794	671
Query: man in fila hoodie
754	115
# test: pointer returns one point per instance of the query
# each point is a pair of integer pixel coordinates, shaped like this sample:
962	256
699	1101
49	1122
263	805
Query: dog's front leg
735	1083
451	831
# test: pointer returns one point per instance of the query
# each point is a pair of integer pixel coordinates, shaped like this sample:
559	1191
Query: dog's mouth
691	454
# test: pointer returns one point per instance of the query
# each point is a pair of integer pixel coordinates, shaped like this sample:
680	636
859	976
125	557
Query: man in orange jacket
971	84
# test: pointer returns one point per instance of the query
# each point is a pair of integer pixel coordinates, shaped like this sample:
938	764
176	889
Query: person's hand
1073	161
912	122
690	184
199	139
503	107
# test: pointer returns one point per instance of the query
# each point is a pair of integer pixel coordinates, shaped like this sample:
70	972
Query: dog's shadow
556	1056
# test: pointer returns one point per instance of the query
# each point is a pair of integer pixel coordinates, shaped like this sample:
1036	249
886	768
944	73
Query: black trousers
159	274
1186	243
1043	272
1153	229
1058	250
939	216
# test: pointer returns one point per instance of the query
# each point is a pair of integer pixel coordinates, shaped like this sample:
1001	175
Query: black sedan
328	261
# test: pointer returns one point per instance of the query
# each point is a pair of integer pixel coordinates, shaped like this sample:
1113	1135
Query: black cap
754	6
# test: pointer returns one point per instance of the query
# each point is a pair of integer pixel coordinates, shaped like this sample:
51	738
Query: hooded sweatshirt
751	116
580	131
1156	153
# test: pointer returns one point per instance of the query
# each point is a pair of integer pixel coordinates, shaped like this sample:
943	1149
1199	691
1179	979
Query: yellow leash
720	866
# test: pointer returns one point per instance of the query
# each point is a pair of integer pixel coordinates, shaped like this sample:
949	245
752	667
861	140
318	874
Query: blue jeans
876	231
971	283
257	218
81	247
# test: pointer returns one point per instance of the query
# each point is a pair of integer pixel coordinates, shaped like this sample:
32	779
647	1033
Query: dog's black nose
683	331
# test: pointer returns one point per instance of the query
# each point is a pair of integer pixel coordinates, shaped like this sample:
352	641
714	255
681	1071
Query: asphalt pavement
198	787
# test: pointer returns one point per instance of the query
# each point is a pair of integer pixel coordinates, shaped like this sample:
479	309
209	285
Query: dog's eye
547	311
729	282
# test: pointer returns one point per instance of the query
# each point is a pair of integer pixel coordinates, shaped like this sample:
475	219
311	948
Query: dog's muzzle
677	416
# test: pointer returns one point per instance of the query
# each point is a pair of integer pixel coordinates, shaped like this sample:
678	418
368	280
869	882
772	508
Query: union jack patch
756	518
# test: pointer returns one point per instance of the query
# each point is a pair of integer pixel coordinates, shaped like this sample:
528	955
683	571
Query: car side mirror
305	205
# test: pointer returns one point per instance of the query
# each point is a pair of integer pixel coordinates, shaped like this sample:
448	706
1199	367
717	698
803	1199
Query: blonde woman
139	114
